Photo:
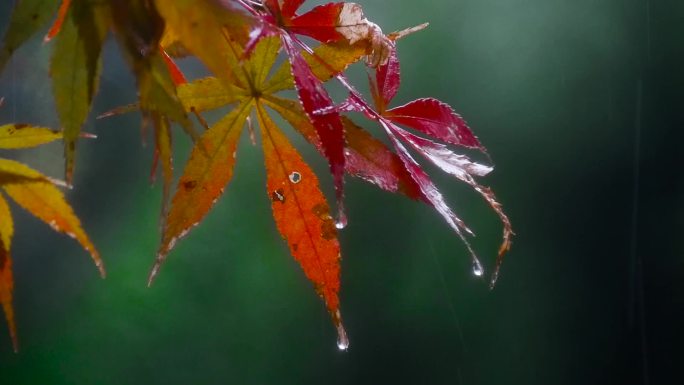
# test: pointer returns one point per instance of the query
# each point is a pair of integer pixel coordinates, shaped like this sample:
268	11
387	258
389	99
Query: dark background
579	103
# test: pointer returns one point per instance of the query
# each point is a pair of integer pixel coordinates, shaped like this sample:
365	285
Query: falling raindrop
295	177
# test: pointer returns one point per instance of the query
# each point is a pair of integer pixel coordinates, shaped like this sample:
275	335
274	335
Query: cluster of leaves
239	41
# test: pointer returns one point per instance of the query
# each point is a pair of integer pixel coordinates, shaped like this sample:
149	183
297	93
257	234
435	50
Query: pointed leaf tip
57	25
100	267
154	271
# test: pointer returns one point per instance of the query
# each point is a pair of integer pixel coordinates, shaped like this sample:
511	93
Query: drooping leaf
465	170
75	70
35	192
321	111
427	187
26	136
433	195
28	17
203	181
302	216
6	277
438	120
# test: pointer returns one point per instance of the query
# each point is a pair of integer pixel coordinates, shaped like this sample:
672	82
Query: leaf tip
154	272
394	36
15	341
101	269
88	135
503	249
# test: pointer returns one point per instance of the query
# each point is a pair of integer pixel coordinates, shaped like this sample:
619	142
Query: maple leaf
332	22
316	117
299	207
435	119
37	194
239	42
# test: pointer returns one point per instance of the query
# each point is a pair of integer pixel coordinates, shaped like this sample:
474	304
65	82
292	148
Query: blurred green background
580	105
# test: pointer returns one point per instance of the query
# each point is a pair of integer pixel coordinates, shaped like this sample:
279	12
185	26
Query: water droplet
278	196
342	339
341	223
478	270
295	177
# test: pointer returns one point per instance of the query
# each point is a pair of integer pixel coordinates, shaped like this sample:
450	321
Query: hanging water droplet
295	177
341	223
342	339
478	270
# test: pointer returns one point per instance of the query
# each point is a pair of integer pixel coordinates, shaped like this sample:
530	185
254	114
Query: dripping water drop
342	339
478	270
341	223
